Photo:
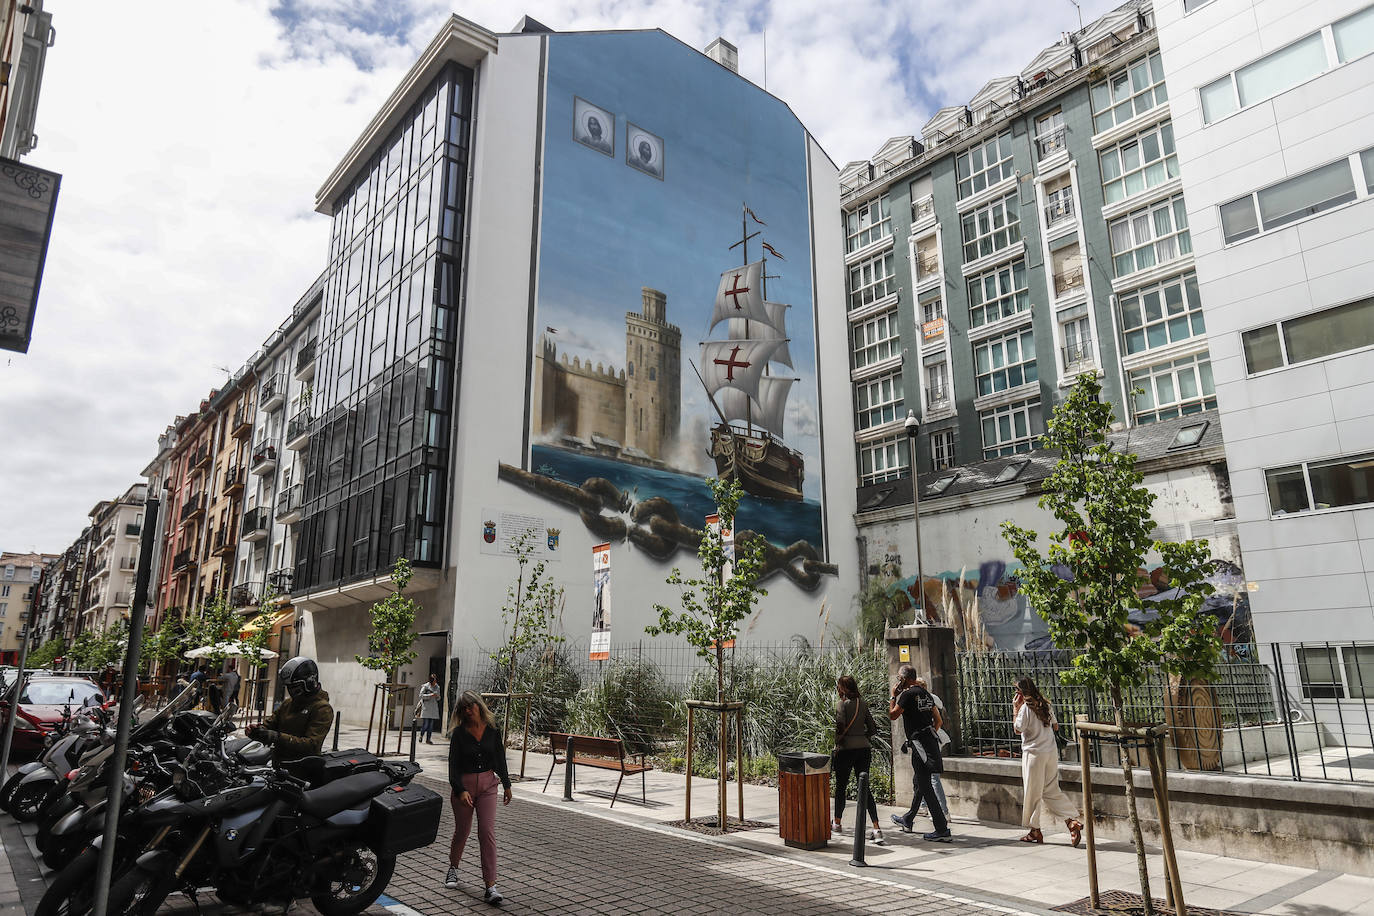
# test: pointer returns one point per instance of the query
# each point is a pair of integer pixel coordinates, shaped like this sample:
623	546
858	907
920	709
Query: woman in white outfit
1034	721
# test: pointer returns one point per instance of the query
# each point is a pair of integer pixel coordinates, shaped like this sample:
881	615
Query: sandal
1075	832
1035	836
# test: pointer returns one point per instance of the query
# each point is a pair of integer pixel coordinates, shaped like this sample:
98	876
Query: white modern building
118	527
1273	112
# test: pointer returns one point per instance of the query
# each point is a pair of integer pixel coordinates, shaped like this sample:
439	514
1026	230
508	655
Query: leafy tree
253	647
393	619
533	608
1084	586
44	655
714	605
214	627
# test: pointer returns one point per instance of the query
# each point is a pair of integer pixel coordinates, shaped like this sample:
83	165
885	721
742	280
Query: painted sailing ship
749	398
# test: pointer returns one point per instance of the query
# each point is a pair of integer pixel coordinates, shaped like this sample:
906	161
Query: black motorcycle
275	839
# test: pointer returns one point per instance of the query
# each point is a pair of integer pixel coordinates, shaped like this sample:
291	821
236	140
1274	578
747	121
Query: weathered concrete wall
1327	826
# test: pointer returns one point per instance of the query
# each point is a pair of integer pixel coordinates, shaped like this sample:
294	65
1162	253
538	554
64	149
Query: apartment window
35	572
998	294
1078	341
4	591
1367	166
1067	269
1005	362
1190	5
9	571
1281	70
869	223
882	459
1336	672
991	228
1150	236
985	165
878	401
1010	429
1144	161
1132	90
922	198
932	310
1333	484
1172	389
1162	314
927	258
1059	201
875	340
1354	35
871	280
1290	200
1316	336
1049	134
937	384
4	608
942	449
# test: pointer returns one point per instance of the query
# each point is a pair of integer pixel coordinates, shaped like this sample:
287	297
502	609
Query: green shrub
550	675
631	701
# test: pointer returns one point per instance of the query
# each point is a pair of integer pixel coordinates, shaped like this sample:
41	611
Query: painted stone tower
653	377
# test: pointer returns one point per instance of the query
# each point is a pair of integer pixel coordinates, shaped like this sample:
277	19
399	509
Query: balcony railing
245	595
305	357
1058	210
1068	280
133	529
923	208
1048	144
233	479
1078	353
194	506
224	541
121	599
298	430
128	564
243	424
289	503
281	580
272	392
183	560
255	523
927	266
264	458
200	456
937	394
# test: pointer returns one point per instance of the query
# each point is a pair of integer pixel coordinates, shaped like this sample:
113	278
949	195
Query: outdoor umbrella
226	648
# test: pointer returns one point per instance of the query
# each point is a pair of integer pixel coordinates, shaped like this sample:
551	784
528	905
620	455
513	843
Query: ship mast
745	236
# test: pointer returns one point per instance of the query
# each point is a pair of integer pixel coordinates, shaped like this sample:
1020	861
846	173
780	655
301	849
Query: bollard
860	813
338	720
413	732
568	771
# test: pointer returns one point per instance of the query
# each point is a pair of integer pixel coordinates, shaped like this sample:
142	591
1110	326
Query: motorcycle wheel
142	889
72	891
7	791
28	800
59	851
356	885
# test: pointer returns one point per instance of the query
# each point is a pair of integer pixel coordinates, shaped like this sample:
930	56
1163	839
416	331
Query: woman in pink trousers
476	767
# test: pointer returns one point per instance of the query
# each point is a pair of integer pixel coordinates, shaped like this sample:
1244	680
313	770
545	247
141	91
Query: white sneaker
492	895
876	836
451	879
837	828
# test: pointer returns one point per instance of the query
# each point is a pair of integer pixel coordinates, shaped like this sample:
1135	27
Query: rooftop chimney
724	53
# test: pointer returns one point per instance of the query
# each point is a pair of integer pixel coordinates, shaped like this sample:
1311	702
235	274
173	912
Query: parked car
41	706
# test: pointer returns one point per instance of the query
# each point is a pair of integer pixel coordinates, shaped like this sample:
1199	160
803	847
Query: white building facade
1273	112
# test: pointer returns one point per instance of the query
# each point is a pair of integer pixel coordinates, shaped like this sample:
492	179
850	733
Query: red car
41	707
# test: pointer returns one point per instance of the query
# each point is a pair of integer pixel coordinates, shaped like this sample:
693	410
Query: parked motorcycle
38	783
274	839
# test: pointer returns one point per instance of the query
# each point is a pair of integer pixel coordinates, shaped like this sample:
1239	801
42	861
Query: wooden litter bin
804	799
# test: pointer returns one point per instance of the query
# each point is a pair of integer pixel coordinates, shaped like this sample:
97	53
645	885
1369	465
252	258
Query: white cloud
190	155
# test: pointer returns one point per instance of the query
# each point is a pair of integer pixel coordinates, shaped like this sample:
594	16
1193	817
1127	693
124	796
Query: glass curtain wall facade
376	480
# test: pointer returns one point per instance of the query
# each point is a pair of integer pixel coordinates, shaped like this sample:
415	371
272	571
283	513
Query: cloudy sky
191	141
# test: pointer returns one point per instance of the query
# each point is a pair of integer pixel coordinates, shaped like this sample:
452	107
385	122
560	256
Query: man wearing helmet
298	727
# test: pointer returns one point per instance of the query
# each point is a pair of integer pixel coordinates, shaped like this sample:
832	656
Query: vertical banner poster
727	543
601	616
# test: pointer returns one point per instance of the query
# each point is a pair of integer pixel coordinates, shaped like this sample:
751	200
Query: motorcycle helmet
302	677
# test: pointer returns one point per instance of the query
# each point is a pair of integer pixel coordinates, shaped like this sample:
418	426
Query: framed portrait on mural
644	150
593	126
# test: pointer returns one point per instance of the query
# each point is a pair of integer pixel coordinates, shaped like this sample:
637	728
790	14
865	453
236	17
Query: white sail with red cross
740	295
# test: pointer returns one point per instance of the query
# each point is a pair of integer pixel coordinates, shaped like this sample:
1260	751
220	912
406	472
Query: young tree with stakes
393	628
1084	586
714	606
533	608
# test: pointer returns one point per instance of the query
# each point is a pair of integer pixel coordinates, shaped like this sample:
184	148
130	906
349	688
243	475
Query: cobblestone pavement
570	858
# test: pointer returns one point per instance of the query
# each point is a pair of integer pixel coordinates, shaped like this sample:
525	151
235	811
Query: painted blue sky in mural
608	229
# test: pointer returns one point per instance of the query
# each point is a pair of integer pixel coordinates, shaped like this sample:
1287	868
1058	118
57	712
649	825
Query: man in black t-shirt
916	708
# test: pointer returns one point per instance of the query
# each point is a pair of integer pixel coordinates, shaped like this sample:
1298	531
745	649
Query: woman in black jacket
476	765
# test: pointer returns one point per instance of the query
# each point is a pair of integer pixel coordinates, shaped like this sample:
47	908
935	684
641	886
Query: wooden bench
601	753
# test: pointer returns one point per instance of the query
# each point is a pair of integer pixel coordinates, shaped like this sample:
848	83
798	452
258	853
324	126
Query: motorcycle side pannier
404	818
332	765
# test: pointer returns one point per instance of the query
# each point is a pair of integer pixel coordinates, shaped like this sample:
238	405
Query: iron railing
1285	710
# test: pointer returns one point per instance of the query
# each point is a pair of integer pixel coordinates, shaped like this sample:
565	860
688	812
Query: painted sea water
781	522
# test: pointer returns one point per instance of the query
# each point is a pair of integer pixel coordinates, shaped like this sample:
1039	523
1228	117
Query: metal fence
1288	710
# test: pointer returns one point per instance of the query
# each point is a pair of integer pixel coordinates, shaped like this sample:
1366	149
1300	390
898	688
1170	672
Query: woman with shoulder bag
476	771
1034	721
854	726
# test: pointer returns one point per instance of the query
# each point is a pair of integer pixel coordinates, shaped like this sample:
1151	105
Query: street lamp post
913	428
